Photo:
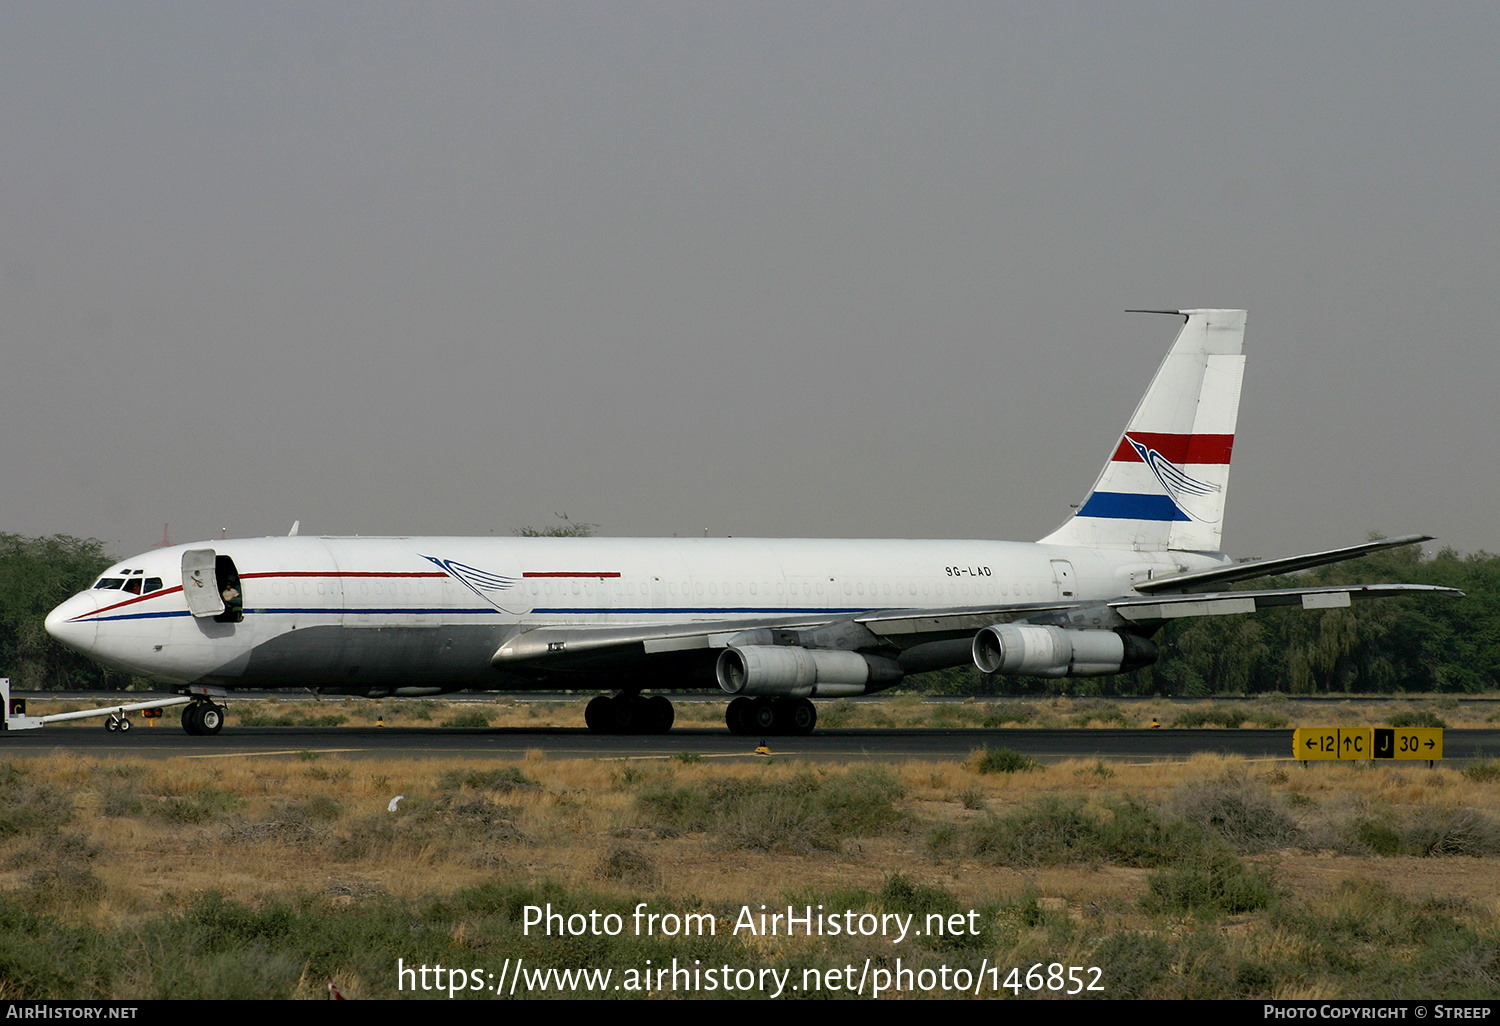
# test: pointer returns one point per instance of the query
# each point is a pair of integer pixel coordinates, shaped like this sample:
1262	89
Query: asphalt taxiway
879	744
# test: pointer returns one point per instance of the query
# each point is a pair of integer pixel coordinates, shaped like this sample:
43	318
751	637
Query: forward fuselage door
200	583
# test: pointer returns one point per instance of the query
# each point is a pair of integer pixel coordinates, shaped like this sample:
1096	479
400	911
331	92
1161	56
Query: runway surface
575	743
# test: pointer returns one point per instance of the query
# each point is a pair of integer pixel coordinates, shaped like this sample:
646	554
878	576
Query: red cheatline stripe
345	573
1177	448
560	573
129	602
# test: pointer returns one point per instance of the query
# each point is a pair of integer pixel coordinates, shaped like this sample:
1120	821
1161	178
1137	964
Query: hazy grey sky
765	269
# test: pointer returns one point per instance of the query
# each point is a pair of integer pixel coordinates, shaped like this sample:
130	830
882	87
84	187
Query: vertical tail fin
1164	485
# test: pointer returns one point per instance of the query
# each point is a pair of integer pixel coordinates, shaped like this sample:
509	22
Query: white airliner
774	622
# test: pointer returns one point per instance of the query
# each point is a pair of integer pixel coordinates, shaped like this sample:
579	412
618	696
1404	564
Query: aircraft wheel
211	718
737	716
763	716
599	714
190	719
124	725
659	714
111	724
625	715
801	716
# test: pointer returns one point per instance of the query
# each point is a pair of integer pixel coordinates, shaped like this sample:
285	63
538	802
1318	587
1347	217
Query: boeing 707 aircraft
772	622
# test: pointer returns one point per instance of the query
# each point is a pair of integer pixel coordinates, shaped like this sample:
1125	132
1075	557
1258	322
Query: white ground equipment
118	715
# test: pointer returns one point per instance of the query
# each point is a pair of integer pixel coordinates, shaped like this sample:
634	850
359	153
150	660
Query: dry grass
120	844
258	826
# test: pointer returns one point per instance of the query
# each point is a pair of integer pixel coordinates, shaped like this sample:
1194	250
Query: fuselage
427	614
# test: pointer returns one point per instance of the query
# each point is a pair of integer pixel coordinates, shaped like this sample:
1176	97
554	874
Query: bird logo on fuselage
480	582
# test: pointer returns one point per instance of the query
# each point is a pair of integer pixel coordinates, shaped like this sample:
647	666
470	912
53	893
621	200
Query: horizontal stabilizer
1201	580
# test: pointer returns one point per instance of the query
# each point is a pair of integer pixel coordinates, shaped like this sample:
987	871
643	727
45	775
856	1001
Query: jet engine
1022	649
803	672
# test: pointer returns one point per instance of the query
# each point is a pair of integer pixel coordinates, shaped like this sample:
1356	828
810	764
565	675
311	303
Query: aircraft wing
583	648
587	647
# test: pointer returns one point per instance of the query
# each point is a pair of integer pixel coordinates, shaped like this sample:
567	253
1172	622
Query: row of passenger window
805	589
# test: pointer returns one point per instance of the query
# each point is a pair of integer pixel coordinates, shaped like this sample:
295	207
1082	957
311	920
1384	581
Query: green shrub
200	807
836	714
26	806
1483	771
1134	961
291	718
1437	831
1002	760
467	718
1380	837
503	779
628	866
1214	884
1227	716
803	813
971	798
1051	831
1008	712
1417	718
1239	810
1055	831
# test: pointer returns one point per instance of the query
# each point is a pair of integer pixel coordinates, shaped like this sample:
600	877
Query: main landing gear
771	716
202	718
629	713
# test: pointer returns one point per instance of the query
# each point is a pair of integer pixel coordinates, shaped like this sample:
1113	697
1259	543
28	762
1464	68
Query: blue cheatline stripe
131	616
698	609
1129	506
378	612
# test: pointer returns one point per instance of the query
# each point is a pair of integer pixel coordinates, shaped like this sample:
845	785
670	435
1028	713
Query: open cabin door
200	584
211	584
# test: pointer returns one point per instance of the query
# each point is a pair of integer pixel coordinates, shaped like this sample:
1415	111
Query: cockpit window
134	585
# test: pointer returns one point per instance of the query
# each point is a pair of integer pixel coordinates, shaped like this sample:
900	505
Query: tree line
1411	644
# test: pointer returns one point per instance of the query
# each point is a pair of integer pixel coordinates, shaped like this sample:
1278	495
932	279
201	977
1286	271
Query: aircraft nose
63	623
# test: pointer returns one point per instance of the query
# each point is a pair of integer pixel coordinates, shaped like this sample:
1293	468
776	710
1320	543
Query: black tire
111	724
625	714
124	724
190	719
763	716
737	716
210	719
660	714
599	715
801	716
